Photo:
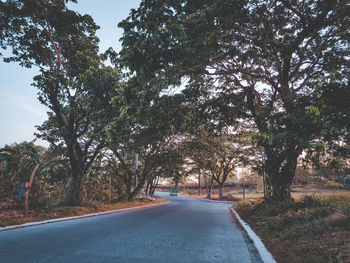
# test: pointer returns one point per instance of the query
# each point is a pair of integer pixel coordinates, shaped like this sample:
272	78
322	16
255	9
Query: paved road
184	230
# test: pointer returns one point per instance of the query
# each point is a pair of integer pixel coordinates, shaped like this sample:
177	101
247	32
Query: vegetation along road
184	230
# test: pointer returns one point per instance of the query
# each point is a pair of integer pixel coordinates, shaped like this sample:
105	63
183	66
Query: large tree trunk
209	188
137	189
154	185
220	187
279	175
77	176
75	190
80	162
208	185
147	190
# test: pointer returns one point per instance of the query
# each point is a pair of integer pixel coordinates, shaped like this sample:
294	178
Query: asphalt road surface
184	230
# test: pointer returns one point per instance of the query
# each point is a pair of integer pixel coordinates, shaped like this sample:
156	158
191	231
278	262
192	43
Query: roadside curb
210	200
29	224
217	201
265	255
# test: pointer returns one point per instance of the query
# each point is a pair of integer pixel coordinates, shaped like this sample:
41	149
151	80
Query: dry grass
298	193
15	216
318	191
310	229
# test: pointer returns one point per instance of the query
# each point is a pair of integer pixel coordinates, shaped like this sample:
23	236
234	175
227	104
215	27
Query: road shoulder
60	219
257	249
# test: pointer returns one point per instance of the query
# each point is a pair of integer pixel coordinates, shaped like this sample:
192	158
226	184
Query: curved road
184	230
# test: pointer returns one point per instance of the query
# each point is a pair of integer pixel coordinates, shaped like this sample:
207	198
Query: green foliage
20	160
148	124
48	34
4	158
308	210
46	202
73	83
247	59
52	171
276	69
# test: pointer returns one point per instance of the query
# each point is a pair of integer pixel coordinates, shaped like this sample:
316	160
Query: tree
172	164
272	57
335	113
199	149
230	153
148	125
74	84
217	155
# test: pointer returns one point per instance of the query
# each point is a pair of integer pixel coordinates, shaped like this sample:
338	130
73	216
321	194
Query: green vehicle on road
173	191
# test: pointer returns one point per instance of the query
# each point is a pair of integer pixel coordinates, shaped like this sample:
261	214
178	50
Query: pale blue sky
20	110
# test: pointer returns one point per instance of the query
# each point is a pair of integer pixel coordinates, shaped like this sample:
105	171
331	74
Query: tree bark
279	175
140	184
208	185
75	190
209	188
147	190
220	187
154	185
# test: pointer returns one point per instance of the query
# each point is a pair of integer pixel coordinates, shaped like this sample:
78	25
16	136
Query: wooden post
243	191
26	195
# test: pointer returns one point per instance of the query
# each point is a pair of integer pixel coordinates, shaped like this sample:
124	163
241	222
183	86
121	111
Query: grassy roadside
311	229
298	191
16	217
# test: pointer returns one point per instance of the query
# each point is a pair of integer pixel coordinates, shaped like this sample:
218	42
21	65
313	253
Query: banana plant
35	161
4	157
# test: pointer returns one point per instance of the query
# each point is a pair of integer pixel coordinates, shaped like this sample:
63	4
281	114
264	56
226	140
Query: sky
19	107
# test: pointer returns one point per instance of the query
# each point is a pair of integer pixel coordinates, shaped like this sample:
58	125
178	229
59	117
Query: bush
347	180
316	227
309	202
45	202
244	207
333	185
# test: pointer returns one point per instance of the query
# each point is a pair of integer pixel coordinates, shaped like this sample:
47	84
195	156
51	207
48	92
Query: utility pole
263	173
136	163
199	182
110	189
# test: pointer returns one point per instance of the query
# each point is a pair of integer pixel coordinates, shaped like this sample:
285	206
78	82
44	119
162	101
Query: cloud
20	115
23	103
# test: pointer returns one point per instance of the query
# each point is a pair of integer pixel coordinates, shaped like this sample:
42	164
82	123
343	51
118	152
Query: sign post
136	166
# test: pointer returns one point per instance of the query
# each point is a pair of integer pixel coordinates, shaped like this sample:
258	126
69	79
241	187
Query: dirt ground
13	214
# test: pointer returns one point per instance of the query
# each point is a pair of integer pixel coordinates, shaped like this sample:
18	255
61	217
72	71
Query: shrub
45	202
333	185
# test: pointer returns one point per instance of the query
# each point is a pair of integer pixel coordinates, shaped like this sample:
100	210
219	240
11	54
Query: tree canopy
191	79
274	57
73	82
